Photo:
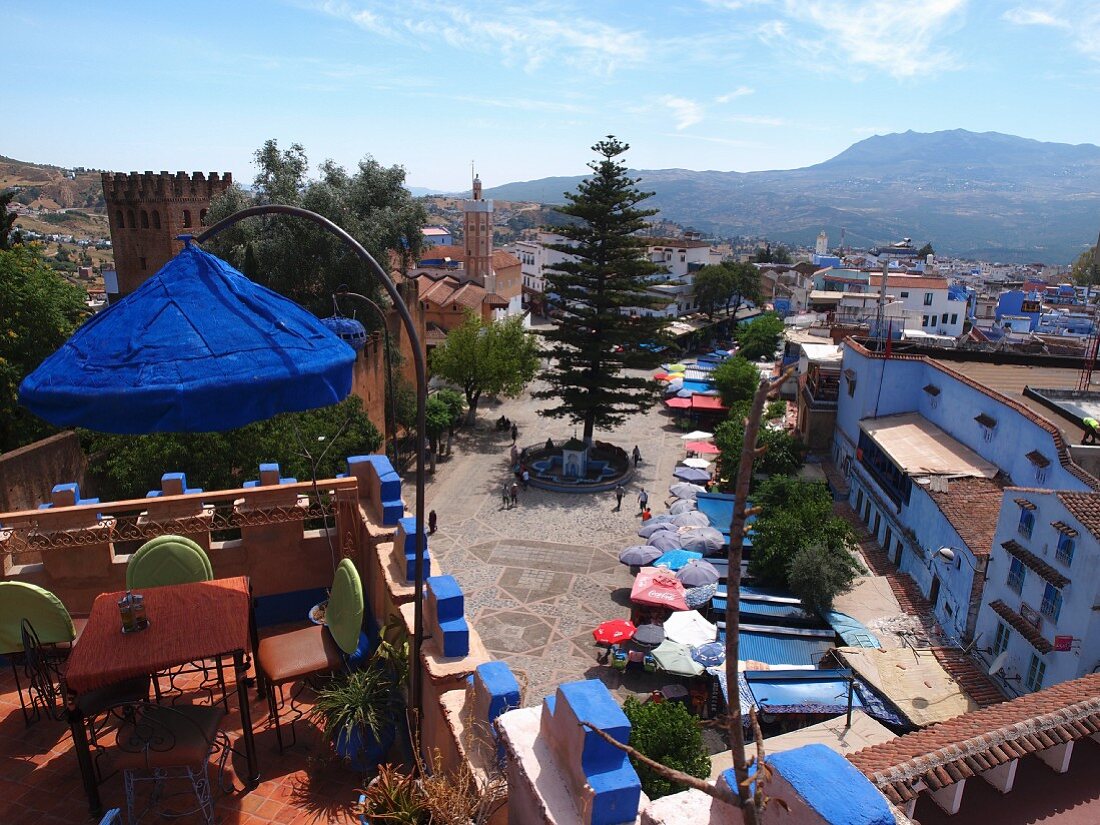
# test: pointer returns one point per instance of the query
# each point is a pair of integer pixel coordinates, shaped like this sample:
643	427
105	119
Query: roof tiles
1035	563
1022	626
972	506
1085	507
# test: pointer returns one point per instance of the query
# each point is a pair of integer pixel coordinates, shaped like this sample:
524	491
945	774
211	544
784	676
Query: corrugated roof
778	648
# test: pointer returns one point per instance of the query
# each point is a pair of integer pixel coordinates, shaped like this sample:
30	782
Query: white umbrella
697	435
694	519
705	540
682	506
697	463
688	627
684	490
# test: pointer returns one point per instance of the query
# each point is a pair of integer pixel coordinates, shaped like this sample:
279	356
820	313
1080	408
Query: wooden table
187	623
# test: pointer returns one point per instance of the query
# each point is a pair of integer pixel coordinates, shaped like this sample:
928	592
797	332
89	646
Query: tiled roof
972	506
1085	507
1035	563
502	259
1027	505
1022	626
1062	527
494	300
909	282
959	748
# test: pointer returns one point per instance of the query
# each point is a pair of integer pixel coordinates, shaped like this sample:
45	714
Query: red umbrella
701	447
661	376
614	631
657	586
679	403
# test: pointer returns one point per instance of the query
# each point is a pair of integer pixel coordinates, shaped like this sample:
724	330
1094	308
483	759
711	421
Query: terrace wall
27	474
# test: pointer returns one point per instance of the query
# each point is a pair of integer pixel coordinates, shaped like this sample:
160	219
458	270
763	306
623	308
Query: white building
927	298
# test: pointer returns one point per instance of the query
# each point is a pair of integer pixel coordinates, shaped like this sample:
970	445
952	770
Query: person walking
620	491
505	495
637	455
515	455
1092	430
432	521
525	477
643	500
515	494
515	432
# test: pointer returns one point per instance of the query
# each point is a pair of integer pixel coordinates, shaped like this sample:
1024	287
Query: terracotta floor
40	782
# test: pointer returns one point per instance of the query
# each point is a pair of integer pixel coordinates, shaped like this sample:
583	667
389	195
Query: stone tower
477	228
822	247
147	212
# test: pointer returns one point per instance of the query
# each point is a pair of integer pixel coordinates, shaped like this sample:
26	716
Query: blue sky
524	88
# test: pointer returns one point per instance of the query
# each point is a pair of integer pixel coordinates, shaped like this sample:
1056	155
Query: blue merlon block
410	566
389	486
590	701
255	483
392	512
269	468
617	792
406	535
816	772
380	463
448	597
456	637
500	684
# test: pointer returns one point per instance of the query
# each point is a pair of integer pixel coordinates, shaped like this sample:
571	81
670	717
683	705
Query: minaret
477	227
822	247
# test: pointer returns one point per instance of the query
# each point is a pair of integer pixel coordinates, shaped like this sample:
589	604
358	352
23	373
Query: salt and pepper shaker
141	621
131	609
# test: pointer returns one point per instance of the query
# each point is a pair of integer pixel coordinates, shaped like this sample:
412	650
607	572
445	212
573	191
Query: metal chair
162	743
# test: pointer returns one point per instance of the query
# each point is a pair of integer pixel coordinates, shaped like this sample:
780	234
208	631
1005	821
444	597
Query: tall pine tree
601	296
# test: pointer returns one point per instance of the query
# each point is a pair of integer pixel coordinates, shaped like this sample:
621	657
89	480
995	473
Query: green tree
764	254
736	379
817	574
130	465
39	310
713	288
299	259
925	251
437	419
783	453
667	733
480	357
7	219
1086	269
601	295
759	338
782	255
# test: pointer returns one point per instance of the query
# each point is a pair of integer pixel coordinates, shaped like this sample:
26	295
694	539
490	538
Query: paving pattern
538	577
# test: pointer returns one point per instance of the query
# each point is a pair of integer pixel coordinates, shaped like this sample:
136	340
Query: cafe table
187	623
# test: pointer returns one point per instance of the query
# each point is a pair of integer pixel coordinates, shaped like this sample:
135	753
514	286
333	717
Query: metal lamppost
415	680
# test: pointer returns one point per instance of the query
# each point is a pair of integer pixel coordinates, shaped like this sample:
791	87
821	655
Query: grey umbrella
684	490
665	540
638	555
649	635
696	573
684	505
692	474
692	519
650	528
703	540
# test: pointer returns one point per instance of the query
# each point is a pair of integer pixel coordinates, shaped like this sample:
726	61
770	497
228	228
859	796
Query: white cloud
740	91
686	112
1080	19
1021	16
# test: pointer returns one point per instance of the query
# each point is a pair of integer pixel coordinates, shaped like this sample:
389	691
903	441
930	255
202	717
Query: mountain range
982	195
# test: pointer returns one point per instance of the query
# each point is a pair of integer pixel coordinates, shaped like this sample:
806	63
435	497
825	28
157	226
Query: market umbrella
710	654
653	526
675	383
649	635
695	518
675	658
690	628
681	506
661	376
683	392
665	540
697	463
675	559
684	489
197	348
613	632
705	540
697	573
656	586
697	435
676	367
703	447
638	555
698	596
677	403
691	474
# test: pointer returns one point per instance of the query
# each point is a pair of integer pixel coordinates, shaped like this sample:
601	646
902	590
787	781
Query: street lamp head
946	553
342	290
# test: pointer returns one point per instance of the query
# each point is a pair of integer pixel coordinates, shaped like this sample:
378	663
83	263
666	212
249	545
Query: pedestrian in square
515	494
637	455
515	432
515	456
620	491
524	476
432	521
505	495
643	500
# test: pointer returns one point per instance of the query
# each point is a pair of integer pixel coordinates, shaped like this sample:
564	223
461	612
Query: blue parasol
710	654
197	348
675	559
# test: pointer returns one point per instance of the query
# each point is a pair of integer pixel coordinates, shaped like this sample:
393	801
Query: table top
187	622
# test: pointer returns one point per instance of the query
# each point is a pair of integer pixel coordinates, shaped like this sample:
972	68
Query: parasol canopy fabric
665	540
681	506
692	519
698	596
639	555
697	463
697	435
701	447
697	572
684	489
614	631
649	635
710	654
675	658
690	628
660	376
705	540
677	403
675	559
692	475
197	348
652	527
659	588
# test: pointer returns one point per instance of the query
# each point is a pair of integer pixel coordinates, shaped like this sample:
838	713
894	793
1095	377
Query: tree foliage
736	379
759	338
798	543
7	220
300	259
925	251
130	465
1086	269
783	453
726	286
480	357
39	310
767	255
669	734
600	293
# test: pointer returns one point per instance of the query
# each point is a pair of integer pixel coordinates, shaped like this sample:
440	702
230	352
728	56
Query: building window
905	295
1035	673
924	320
954	318
928	299
119	220
144	219
851	387
943	318
156	219
1000	639
859	499
141	262
1065	549
186	217
202	217
1016	575
1027	523
1052	602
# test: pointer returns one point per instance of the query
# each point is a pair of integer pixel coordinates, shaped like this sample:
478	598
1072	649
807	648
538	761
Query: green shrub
668	733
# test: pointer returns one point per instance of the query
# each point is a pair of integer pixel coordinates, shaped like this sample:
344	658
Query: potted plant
358	712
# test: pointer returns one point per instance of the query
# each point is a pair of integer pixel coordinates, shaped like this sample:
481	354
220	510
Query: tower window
119	220
130	219
142	262
186	217
156	219
202	217
144	219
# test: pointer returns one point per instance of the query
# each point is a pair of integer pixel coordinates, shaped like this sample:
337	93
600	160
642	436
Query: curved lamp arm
415	680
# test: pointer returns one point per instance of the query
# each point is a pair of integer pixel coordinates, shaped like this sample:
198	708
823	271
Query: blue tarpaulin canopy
801	691
197	348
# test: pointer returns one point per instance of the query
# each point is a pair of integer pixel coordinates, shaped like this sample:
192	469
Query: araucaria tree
600	295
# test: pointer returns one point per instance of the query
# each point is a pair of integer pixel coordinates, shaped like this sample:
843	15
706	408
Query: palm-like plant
364	700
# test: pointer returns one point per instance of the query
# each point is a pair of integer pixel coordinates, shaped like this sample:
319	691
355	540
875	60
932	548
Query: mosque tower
477	229
822	247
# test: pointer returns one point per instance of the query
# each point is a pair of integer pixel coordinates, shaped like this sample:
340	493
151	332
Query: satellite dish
998	663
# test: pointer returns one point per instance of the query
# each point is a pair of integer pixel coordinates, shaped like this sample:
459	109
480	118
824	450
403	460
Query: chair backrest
168	560
43	676
19	601
151	736
344	616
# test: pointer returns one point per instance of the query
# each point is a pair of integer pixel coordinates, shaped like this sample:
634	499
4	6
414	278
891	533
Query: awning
801	691
919	447
782	646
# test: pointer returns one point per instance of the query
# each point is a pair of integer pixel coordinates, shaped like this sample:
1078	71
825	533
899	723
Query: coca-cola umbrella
665	540
614	631
697	573
658	588
638	555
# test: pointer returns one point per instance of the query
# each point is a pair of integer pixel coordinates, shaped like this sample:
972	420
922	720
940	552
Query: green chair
168	560
52	623
314	650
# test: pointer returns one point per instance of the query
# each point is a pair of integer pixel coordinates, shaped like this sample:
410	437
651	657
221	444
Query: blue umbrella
665	540
676	558
197	348
711	654
693	475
